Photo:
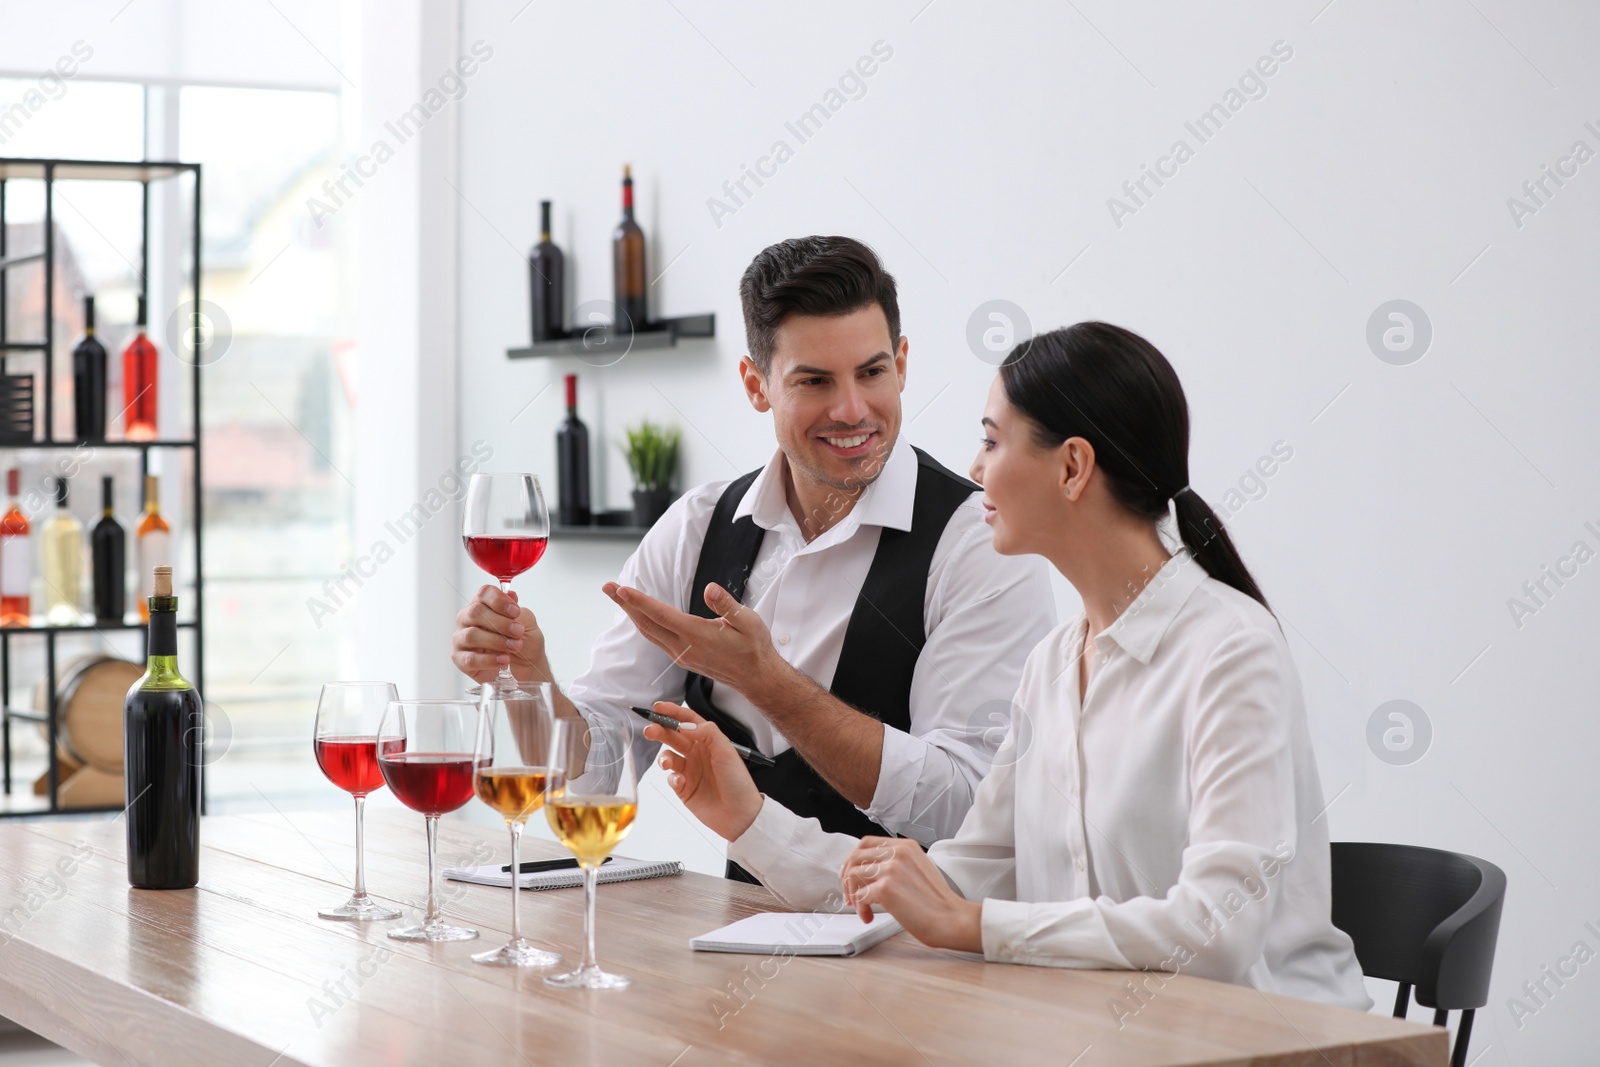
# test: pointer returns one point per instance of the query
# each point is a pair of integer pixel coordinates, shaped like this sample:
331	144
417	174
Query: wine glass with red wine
425	750
506	529
348	714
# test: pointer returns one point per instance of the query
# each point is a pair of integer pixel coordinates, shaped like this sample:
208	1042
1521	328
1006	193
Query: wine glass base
517	954
589	978
360	910
436	931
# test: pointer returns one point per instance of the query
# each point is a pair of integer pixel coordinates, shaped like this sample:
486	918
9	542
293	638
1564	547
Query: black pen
750	755
541	866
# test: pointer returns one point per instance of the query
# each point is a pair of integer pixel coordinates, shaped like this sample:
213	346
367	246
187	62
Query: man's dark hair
811	276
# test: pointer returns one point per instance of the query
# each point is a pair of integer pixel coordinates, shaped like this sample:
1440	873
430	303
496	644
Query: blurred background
1364	233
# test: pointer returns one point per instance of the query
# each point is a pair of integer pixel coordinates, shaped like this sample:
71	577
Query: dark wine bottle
627	261
572	464
109	550
546	273
163	723
89	381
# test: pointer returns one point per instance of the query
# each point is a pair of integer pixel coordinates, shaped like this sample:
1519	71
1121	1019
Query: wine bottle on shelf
16	558
154	543
547	275
163	726
627	261
139	387
109	552
89	381
63	564
572	464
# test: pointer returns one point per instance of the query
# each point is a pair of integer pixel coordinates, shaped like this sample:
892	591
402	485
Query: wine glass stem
591	876
433	883
505	676
516	871
361	873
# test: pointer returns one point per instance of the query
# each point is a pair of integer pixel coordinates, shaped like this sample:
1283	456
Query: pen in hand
750	755
541	866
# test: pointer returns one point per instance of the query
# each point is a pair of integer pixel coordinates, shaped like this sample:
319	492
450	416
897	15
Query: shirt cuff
899	772
1049	934
765	842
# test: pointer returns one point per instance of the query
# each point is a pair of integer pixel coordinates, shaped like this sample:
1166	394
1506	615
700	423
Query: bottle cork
163	582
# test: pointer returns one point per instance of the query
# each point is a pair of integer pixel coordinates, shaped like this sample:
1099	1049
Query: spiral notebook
618	870
799	934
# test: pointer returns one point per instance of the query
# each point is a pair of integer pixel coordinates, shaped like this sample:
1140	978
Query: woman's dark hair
1112	388
811	276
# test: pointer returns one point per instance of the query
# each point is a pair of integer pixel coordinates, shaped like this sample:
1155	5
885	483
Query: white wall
1419	498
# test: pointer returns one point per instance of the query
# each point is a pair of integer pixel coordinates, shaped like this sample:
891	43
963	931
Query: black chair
1425	918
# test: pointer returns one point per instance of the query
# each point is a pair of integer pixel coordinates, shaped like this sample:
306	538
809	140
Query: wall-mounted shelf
608	526
600	342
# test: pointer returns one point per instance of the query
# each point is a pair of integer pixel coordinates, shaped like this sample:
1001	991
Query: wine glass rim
458	701
343	684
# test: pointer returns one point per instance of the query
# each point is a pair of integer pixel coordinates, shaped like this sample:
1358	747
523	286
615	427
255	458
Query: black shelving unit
50	171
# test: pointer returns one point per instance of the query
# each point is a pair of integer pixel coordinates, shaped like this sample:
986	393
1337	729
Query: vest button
813	795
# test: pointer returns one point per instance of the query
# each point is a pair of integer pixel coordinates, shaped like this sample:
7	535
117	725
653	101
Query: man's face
834	392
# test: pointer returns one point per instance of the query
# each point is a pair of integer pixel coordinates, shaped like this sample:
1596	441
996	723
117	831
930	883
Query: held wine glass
590	813
425	750
346	741
506	529
515	732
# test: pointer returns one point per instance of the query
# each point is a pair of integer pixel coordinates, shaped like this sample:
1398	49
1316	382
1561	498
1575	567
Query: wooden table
240	971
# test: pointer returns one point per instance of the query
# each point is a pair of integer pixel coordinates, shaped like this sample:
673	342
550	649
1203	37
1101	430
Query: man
842	609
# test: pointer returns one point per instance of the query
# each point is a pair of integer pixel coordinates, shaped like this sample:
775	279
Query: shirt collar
1139	629
888	501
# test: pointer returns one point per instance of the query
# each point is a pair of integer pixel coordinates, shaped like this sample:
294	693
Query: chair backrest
1420	915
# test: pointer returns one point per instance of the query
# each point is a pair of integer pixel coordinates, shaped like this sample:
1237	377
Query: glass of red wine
506	529
425	751
348	714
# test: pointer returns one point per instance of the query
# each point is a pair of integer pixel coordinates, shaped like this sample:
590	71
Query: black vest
882	642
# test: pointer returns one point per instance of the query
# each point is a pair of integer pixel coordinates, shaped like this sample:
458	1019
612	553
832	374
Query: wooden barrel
89	700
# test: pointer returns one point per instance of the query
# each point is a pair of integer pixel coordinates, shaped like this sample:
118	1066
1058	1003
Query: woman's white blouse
1174	821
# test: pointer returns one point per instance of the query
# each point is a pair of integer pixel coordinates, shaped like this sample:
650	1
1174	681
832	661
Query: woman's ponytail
1210	544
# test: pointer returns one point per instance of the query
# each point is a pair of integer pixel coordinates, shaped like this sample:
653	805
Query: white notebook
799	933
618	870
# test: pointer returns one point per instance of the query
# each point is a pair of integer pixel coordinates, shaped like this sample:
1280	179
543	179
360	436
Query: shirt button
1081	864
783	639
1004	953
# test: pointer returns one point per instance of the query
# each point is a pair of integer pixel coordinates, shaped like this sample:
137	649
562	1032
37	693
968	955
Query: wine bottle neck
163	646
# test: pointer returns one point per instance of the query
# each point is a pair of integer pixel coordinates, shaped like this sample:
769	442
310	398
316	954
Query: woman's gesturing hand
705	771
894	872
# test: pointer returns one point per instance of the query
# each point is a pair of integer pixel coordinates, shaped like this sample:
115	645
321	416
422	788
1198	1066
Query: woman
1155	804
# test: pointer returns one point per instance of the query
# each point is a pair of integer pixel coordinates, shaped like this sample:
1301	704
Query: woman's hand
896	873
705	771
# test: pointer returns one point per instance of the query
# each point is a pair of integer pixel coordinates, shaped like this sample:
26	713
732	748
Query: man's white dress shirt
1172	821
982	612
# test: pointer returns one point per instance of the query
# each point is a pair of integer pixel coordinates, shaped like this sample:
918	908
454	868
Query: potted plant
652	453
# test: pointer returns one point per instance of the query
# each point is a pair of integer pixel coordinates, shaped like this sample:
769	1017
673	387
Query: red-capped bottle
139	386
16	558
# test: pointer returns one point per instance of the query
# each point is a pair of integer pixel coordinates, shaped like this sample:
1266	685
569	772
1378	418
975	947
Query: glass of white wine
516	729
591	812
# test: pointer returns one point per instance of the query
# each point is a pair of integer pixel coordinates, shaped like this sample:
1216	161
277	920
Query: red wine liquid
505	557
351	763
430	782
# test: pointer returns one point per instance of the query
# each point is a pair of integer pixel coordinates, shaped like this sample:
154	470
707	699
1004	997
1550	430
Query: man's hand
706	773
896	873
493	631
734	649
